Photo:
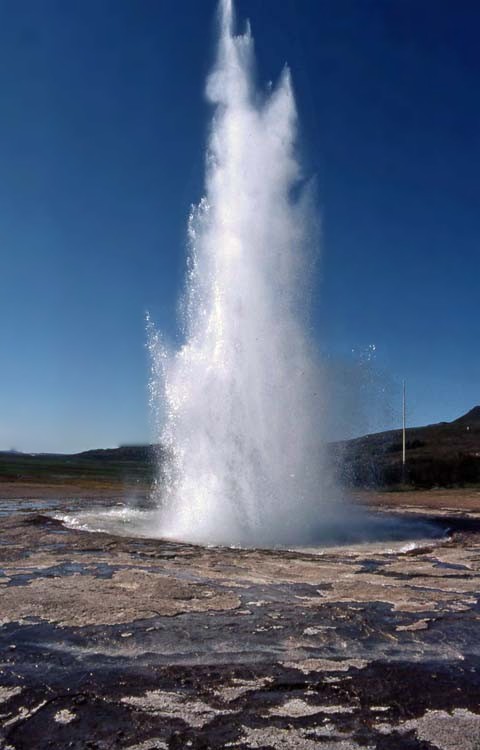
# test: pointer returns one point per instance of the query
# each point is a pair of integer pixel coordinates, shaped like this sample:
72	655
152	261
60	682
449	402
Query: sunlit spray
242	398
242	409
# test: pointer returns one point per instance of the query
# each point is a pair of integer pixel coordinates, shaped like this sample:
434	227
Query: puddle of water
99	570
8	507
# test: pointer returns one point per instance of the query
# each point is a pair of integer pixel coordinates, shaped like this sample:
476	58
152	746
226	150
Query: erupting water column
242	398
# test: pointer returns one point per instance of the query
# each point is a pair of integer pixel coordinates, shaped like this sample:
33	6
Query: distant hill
127	464
446	454
134	453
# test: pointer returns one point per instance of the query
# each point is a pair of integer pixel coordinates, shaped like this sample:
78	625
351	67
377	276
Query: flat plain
122	642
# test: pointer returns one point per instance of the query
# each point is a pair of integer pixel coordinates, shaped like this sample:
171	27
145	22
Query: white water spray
241	407
242	398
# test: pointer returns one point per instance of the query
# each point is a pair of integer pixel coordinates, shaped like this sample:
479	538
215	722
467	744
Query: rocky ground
110	642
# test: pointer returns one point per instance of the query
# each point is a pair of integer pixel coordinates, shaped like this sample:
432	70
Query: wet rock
140	644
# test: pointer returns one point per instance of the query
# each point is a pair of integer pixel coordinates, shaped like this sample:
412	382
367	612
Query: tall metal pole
404	443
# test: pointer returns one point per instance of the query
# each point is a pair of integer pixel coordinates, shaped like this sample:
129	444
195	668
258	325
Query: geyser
242	398
241	405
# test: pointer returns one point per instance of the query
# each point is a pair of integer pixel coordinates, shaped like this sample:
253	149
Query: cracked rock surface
138	644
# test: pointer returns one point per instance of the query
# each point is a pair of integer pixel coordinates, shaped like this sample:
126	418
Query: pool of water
389	530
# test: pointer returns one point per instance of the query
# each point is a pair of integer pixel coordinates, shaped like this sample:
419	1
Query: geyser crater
386	531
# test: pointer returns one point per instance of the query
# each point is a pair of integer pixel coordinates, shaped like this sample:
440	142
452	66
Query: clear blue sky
102	139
